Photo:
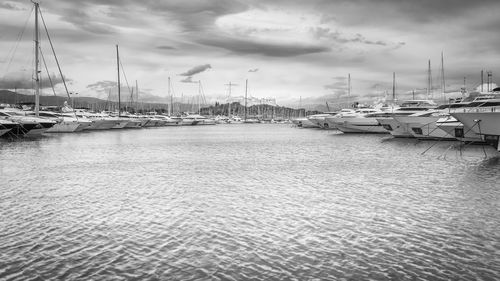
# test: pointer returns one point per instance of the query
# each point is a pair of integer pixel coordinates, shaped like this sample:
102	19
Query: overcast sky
286	48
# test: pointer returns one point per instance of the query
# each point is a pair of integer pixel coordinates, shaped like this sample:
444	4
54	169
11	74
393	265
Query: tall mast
429	81
119	91
394	86
137	95
170	108
229	101
349	88
443	84
199	96
482	80
246	92
37	79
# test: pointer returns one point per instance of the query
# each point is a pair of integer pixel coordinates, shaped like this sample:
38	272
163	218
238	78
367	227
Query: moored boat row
16	123
475	121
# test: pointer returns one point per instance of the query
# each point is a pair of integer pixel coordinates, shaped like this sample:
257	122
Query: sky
297	52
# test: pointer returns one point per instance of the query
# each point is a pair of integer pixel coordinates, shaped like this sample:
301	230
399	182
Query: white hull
359	125
36	132
424	127
133	124
64	127
482	123
460	132
120	124
395	128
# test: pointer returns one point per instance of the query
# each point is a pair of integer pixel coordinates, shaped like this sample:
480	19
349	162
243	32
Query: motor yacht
407	108
362	120
320	120
483	118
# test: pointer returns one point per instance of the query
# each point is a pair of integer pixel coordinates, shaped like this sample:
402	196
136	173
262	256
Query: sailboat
31	125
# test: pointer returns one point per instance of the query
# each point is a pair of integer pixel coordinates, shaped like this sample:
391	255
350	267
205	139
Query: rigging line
125	76
13	50
54	52
47	70
482	146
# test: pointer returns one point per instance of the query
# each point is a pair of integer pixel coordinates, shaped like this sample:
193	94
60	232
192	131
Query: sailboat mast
394	86
170	108
442	74
118	67
229	102
137	94
349	89
199	96
37	79
429	81
246	93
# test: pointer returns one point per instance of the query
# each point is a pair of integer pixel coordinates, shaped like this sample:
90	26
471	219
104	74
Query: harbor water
247	202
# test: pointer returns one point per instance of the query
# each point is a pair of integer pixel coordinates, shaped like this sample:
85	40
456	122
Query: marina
266	141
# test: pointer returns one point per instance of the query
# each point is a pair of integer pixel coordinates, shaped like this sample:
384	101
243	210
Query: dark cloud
81	19
246	46
22	80
166	48
195	70
253	70
188	79
102	85
11	6
324	32
197	15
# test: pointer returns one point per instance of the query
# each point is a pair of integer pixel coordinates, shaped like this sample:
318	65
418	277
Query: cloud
188	79
166	48
195	16
253	70
81	19
22	80
102	86
254	47
327	33
195	70
10	6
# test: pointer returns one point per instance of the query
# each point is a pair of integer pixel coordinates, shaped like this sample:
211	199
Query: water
246	202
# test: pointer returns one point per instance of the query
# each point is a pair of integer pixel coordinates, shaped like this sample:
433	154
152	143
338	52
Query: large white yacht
330	120
361	120
483	118
408	107
320	120
423	125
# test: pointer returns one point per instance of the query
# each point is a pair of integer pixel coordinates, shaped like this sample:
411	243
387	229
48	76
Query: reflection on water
238	202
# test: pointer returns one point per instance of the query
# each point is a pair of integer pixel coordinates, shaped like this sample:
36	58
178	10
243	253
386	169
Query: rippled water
247	202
